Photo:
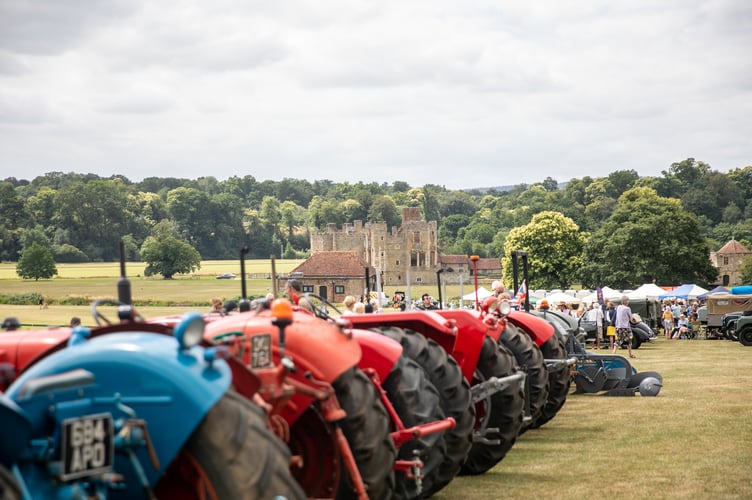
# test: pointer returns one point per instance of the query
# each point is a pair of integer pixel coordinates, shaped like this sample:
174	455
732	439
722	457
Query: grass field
692	441
86	282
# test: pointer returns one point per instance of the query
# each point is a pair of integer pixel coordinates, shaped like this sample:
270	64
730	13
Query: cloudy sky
460	94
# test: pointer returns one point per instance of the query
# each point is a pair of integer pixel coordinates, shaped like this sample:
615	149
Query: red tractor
351	407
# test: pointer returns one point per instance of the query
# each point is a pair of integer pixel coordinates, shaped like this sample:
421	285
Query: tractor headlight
504	307
190	330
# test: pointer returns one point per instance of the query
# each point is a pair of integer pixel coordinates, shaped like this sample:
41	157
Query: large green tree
554	245
36	263
94	216
647	239
168	256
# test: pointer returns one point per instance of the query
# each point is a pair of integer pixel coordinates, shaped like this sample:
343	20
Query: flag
521	293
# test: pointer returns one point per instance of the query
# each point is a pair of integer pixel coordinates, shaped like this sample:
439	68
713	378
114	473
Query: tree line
620	229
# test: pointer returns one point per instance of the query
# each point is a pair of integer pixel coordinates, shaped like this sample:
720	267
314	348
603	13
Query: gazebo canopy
684	292
649	290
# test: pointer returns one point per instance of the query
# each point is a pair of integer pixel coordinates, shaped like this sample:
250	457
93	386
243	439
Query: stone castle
407	253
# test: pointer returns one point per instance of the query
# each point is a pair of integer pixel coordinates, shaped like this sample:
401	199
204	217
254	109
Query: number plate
87	446
261	351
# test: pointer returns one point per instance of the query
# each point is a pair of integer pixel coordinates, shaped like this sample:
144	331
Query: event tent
648	290
482	294
684	292
718	289
557	297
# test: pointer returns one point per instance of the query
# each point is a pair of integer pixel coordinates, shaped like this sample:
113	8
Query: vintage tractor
344	399
133	410
488	368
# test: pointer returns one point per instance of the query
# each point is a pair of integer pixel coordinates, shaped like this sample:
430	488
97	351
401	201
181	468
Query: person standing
427	304
623	326
293	290
596	315
610	324
349	303
668	321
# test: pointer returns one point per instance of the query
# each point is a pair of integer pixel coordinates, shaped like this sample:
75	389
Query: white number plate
87	448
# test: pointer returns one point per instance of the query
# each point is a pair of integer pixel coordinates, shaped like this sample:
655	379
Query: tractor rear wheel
416	401
366	428
745	336
530	358
502	410
231	454
454	393
558	381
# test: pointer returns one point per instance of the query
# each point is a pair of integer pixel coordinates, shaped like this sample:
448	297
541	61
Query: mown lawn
692	441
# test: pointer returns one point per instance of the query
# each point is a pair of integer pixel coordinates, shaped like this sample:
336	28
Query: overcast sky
459	94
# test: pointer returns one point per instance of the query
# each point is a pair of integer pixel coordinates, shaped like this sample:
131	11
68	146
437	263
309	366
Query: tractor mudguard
537	328
379	352
132	375
19	348
431	324
16	430
471	332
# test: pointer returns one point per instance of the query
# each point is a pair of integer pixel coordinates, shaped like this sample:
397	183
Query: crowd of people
678	318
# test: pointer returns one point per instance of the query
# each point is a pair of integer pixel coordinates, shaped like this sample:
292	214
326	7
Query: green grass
82	283
692	441
209	268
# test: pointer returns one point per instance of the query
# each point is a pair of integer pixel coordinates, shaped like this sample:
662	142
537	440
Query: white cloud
459	94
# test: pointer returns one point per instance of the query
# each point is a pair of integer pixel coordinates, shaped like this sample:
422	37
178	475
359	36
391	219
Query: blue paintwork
12	443
142	375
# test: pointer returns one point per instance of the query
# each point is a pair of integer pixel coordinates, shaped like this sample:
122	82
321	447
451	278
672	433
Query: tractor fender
380	353
471	332
12	442
136	374
19	348
537	328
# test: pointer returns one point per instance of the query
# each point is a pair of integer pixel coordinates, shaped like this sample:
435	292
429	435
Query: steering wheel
101	318
320	306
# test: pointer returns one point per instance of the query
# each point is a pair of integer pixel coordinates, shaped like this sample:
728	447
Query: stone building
331	275
729	260
409	251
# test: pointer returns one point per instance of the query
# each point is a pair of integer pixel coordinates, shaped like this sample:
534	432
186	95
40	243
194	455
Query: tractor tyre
636	341
530	358
416	402
454	394
231	454
9	488
366	428
745	336
502	410
558	381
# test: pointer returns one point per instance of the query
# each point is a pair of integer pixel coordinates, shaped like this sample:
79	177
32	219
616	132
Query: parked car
226	276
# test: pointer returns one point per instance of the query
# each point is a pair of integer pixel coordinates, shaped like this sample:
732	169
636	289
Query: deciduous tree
554	244
36	263
647	239
169	256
